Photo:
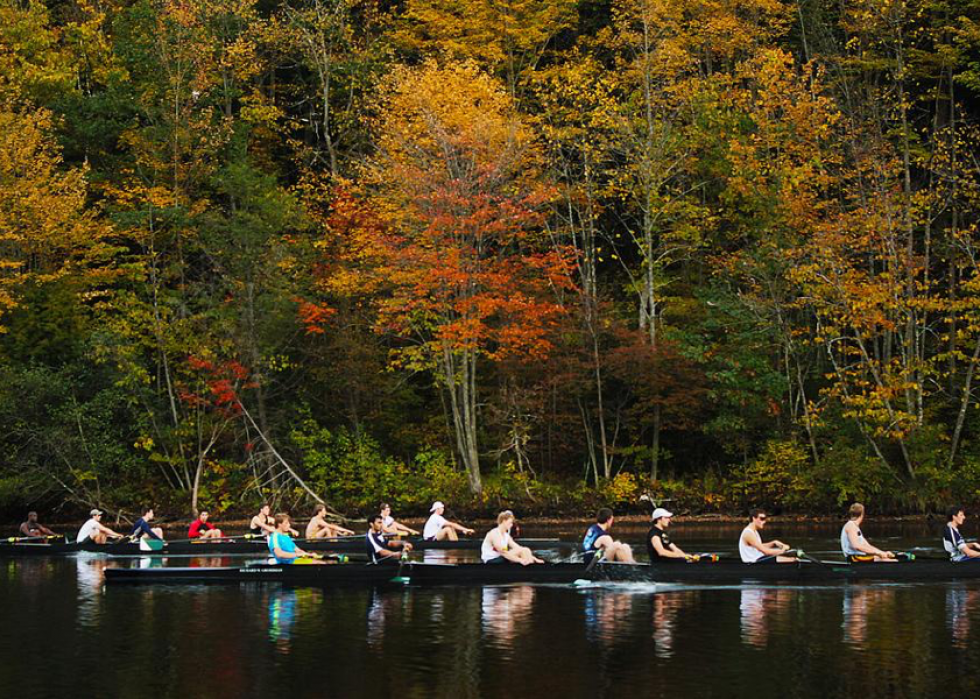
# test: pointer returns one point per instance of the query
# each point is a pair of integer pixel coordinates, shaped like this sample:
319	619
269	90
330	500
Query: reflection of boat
246	547
484	574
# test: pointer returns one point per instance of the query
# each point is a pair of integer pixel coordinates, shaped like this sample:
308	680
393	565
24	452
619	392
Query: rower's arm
24	530
460	527
665	551
45	530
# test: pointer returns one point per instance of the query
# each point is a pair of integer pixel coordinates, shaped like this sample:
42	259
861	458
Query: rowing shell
232	547
723	572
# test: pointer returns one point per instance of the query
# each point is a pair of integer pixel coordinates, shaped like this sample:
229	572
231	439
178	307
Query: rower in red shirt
201	528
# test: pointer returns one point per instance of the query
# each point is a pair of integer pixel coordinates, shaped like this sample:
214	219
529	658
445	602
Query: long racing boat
253	546
721	572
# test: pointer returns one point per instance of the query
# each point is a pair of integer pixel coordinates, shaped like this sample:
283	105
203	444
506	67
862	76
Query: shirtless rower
390	526
34	529
854	546
751	548
500	547
438	528
597	538
96	532
320	528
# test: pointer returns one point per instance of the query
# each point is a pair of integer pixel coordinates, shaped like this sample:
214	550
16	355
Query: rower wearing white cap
438	528
94	531
659	546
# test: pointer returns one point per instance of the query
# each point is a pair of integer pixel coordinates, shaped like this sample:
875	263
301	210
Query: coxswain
438	528
379	548
751	548
201	528
390	526
854	546
660	548
956	546
500	547
142	528
282	546
597	538
320	528
94	531
34	529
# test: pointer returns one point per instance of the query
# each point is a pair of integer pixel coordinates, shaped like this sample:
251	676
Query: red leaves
218	385
314	316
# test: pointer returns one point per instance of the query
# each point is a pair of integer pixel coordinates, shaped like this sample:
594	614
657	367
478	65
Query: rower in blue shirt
597	538
284	549
956	546
142	529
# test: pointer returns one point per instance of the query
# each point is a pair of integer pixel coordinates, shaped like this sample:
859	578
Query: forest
542	253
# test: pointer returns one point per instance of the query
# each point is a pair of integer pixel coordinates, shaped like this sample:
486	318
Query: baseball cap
661	512
95	513
436	505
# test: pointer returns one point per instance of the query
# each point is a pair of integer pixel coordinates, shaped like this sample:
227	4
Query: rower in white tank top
748	553
487	551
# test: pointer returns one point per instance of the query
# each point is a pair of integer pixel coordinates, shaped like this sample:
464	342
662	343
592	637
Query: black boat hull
224	547
732	572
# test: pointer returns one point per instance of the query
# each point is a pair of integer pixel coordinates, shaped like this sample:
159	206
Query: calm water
65	634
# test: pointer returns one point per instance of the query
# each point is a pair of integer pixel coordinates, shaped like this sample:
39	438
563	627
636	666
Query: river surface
64	634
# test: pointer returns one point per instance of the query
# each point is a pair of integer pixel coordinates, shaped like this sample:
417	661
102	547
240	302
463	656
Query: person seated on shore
34	529
500	547
283	548
956	546
597	539
660	548
320	528
263	524
438	528
751	548
94	531
390	526
855	547
142	528
201	528
379	548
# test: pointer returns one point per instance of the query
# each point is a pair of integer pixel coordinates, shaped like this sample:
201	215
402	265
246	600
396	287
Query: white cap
436	505
95	513
661	512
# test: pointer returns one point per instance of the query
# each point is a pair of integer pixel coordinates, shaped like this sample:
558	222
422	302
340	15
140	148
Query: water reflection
666	608
90	573
961	604
505	612
862	604
760	610
284	608
605	612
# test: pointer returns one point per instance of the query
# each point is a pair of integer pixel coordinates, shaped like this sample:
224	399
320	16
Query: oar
16	539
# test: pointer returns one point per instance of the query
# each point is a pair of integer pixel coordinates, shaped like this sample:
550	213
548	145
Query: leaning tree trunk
459	373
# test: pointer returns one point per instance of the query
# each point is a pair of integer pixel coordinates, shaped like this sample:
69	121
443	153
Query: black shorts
765	560
497	560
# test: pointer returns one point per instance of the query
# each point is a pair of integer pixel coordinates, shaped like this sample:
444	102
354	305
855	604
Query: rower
956	546
141	527
500	547
855	547
282	546
34	529
201	528
320	528
660	548
263	524
94	531
751	548
379	548
438	528
597	538
390	526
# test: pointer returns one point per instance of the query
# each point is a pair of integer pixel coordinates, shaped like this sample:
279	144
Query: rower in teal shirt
282	546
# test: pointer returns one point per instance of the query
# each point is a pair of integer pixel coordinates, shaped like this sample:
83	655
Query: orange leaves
217	386
314	316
